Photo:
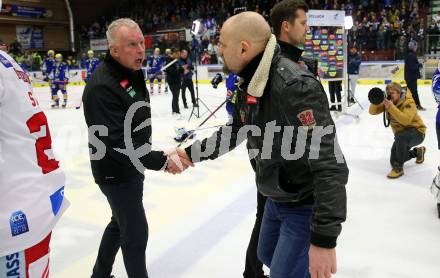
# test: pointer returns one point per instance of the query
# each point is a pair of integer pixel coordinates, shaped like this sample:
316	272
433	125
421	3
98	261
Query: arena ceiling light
348	23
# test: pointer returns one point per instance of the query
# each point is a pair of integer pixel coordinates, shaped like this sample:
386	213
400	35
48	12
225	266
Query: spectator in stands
206	58
433	35
395	17
380	38
213	49
36	61
412	72
15	48
371	39
400	48
348	7
374	23
3	46
436	19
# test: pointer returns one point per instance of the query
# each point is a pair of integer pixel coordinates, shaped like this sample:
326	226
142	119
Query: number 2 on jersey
35	123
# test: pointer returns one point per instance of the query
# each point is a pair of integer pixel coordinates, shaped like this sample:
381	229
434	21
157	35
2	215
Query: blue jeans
285	240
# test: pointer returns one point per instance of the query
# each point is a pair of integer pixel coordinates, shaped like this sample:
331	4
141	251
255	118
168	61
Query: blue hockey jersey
231	96
47	66
436	85
60	73
154	64
90	66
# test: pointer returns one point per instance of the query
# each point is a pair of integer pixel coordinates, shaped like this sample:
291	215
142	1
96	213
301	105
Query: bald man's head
249	26
243	37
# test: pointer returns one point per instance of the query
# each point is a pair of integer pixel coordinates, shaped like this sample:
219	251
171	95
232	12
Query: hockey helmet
59	57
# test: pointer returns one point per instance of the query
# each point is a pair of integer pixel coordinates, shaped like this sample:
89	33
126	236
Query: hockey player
90	64
47	66
154	64
435	188
31	181
60	80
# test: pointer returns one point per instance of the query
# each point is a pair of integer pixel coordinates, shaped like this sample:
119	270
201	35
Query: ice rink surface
200	222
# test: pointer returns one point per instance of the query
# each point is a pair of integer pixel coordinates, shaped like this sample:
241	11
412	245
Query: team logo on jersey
23	76
5	62
18	223
56	200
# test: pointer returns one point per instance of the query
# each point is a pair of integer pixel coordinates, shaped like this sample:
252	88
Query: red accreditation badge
251	99
306	118
124	83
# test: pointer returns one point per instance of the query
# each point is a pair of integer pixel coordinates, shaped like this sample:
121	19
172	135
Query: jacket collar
119	68
250	69
260	75
289	51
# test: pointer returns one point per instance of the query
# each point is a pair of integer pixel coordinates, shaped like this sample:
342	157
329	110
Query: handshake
177	161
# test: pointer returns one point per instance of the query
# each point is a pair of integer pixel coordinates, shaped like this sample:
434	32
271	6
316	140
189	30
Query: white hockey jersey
31	182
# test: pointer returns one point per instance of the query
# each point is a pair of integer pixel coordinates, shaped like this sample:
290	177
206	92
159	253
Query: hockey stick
39	78
169	64
164	67
190	133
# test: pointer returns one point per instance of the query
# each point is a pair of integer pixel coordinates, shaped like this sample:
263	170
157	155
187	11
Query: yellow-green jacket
403	115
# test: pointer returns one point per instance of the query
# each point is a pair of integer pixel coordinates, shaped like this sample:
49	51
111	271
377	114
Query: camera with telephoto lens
218	78
376	96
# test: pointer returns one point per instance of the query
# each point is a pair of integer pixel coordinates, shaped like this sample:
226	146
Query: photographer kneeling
408	127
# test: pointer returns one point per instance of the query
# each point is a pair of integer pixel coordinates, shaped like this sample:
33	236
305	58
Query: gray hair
412	45
116	25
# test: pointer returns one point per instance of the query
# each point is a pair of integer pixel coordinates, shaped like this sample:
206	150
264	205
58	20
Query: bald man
282	111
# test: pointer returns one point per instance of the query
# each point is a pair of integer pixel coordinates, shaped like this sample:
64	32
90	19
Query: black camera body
376	96
218	78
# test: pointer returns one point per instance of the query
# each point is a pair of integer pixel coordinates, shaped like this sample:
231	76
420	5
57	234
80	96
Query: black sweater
107	98
173	72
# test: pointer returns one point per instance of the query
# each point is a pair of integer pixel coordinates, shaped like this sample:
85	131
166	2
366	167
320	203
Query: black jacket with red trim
107	98
294	150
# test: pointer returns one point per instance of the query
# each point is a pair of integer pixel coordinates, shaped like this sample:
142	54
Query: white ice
200	222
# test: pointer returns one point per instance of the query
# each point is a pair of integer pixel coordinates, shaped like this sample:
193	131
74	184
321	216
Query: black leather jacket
293	99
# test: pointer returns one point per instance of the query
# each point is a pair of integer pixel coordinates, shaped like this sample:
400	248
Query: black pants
335	88
253	266
412	86
187	83
403	142
128	229
175	90
432	45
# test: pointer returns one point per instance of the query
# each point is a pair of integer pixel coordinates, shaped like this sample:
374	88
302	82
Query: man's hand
322	262
387	103
177	161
